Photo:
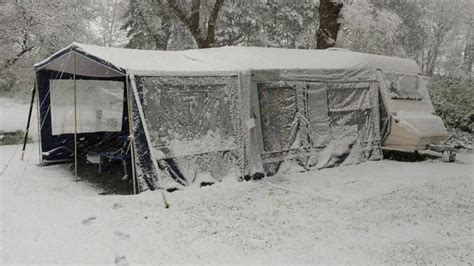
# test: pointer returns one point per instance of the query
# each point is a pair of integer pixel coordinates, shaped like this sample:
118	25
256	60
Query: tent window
278	109
189	116
348	98
349	110
99	106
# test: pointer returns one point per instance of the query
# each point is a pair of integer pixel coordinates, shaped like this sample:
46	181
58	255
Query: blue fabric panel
64	144
147	179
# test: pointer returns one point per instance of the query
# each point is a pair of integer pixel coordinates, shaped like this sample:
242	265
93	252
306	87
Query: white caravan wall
99	106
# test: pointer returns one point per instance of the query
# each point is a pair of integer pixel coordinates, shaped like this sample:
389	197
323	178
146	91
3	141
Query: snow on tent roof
232	59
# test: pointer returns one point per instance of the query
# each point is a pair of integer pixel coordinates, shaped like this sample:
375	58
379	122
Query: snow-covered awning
92	60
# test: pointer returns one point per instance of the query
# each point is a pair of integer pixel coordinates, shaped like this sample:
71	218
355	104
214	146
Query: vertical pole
38	119
131	138
75	116
33	91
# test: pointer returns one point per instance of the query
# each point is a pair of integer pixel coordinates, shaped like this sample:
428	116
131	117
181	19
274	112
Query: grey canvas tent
216	113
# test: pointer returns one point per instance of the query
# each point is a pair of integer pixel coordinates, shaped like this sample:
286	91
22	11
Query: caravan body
408	122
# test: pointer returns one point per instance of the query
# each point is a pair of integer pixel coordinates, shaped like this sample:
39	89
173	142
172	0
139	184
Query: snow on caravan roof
232	59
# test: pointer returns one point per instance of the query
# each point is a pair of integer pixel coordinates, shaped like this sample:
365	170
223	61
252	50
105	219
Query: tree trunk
468	58
328	24
469	50
431	61
25	48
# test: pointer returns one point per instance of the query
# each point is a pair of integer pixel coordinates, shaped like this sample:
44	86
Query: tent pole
33	92
147	137
38	119
130	134
75	116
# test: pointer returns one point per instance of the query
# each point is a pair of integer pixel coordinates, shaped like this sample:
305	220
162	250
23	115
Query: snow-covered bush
453	100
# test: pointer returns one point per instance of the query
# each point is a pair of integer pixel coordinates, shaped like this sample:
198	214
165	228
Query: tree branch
23	43
191	22
10	62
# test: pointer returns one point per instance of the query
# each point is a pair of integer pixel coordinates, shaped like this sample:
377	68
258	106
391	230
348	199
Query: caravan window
402	87
99	106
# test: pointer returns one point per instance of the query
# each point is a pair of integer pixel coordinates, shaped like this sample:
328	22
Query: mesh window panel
278	109
190	116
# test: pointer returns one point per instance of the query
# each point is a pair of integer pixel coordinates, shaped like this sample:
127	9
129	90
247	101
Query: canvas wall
318	124
194	125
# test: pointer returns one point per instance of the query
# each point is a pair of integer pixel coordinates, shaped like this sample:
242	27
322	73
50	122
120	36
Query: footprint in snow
121	260
117	206
121	235
89	220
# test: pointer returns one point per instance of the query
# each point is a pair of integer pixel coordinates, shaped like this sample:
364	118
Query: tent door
317	113
294	119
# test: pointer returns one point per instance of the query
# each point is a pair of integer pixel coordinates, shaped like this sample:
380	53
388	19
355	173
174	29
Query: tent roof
118	61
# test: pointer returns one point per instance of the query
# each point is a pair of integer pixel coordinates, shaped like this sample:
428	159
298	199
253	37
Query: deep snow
375	212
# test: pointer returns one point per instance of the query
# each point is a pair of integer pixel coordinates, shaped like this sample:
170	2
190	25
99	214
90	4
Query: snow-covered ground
13	116
375	212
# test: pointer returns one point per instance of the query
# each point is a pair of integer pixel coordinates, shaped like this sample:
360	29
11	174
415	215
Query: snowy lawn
13	117
375	212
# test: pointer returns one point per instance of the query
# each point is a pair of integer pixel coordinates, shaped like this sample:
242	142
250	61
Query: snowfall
375	212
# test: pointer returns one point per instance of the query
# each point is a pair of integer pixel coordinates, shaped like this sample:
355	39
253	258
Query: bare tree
203	30
108	23
443	19
326	35
23	43
27	26
31	30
